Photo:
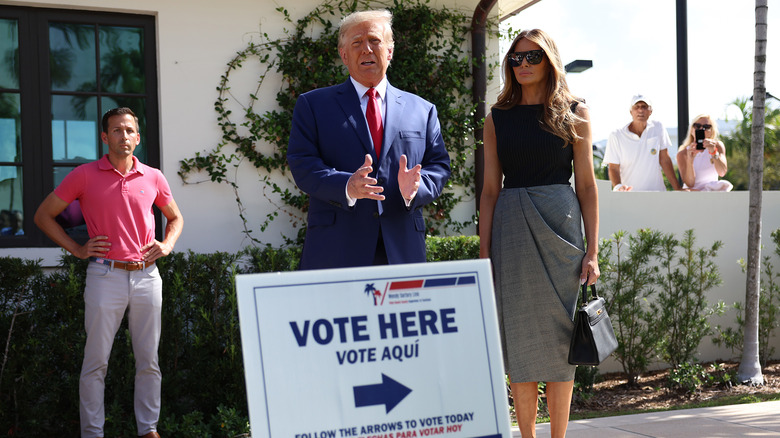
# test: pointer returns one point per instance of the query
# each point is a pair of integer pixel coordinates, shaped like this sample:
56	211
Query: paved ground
747	420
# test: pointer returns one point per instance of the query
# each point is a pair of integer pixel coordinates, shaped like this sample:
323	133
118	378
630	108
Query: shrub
452	248
683	283
691	377
584	379
688	377
15	279
768	312
627	286
657	298
201	340
200	350
270	259
44	348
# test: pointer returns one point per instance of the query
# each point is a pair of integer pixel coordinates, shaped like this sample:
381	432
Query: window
60	70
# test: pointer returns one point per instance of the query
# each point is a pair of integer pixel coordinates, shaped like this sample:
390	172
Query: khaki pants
108	293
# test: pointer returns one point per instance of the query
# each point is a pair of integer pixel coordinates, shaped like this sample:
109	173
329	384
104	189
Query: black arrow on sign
388	393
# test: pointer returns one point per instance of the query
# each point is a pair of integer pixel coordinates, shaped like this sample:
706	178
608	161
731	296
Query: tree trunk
750	368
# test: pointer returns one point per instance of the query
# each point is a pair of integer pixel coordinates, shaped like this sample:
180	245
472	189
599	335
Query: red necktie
374	118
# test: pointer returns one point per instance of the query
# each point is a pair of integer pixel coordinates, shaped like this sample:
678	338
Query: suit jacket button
376	214
380	181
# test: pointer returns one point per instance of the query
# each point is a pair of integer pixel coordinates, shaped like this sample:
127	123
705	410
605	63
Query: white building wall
195	41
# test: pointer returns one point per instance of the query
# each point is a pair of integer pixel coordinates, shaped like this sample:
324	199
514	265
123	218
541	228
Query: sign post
400	351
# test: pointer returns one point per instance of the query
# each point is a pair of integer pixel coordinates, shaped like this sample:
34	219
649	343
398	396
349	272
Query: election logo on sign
400	351
372	292
405	291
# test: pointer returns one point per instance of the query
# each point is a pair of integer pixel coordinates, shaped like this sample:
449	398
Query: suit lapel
348	100
393	117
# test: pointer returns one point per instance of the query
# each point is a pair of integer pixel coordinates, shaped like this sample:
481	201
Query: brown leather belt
127	266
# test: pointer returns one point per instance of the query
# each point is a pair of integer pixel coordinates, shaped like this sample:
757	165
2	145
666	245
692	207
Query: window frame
36	93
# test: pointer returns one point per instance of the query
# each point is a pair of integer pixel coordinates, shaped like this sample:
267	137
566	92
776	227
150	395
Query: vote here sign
401	351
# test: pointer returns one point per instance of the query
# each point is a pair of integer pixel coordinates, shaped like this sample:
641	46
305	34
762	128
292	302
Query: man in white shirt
638	152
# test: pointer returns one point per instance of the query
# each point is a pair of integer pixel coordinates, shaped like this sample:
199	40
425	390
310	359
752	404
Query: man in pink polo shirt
116	194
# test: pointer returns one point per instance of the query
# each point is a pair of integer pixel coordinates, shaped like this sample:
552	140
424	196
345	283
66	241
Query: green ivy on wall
430	59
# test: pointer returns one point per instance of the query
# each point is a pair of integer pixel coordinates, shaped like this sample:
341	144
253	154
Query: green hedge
203	393
452	248
200	350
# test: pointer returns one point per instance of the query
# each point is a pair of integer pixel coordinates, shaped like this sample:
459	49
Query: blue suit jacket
328	143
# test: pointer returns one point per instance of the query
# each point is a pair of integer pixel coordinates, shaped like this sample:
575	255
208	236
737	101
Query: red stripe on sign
411	284
384	294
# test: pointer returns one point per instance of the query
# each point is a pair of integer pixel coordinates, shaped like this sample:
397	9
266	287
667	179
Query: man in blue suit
369	155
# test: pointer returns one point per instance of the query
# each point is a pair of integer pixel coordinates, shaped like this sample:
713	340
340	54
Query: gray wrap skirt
537	249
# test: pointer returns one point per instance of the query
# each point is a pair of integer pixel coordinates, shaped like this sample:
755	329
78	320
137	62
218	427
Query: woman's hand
692	151
711	146
590	269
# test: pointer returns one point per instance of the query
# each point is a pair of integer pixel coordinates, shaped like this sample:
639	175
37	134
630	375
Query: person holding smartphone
702	157
638	153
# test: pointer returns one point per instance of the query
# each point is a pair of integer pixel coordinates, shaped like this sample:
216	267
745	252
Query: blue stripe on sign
436	282
467	280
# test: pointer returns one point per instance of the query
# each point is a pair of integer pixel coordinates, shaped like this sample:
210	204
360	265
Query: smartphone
700	139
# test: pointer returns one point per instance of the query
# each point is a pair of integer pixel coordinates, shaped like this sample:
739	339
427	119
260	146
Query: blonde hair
558	117
690	139
382	15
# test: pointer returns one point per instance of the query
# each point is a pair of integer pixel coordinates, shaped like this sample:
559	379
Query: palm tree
750	367
371	291
738	145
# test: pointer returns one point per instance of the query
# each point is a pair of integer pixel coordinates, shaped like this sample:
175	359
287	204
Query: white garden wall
712	216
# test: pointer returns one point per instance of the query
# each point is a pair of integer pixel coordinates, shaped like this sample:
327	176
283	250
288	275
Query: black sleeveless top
529	155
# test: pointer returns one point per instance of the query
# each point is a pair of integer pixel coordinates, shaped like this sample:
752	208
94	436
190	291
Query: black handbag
593	338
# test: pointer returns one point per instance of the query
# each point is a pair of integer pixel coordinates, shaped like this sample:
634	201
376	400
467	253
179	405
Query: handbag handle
585	293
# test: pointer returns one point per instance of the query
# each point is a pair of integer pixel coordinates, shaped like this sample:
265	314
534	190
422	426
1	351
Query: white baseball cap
641	98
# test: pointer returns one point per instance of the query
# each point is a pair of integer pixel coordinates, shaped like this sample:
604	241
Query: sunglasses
533	57
699	126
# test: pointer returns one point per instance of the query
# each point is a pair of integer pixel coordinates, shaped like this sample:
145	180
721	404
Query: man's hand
95	247
154	250
408	179
361	186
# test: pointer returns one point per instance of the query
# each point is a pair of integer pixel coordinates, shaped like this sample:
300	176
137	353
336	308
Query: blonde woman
529	223
701	168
